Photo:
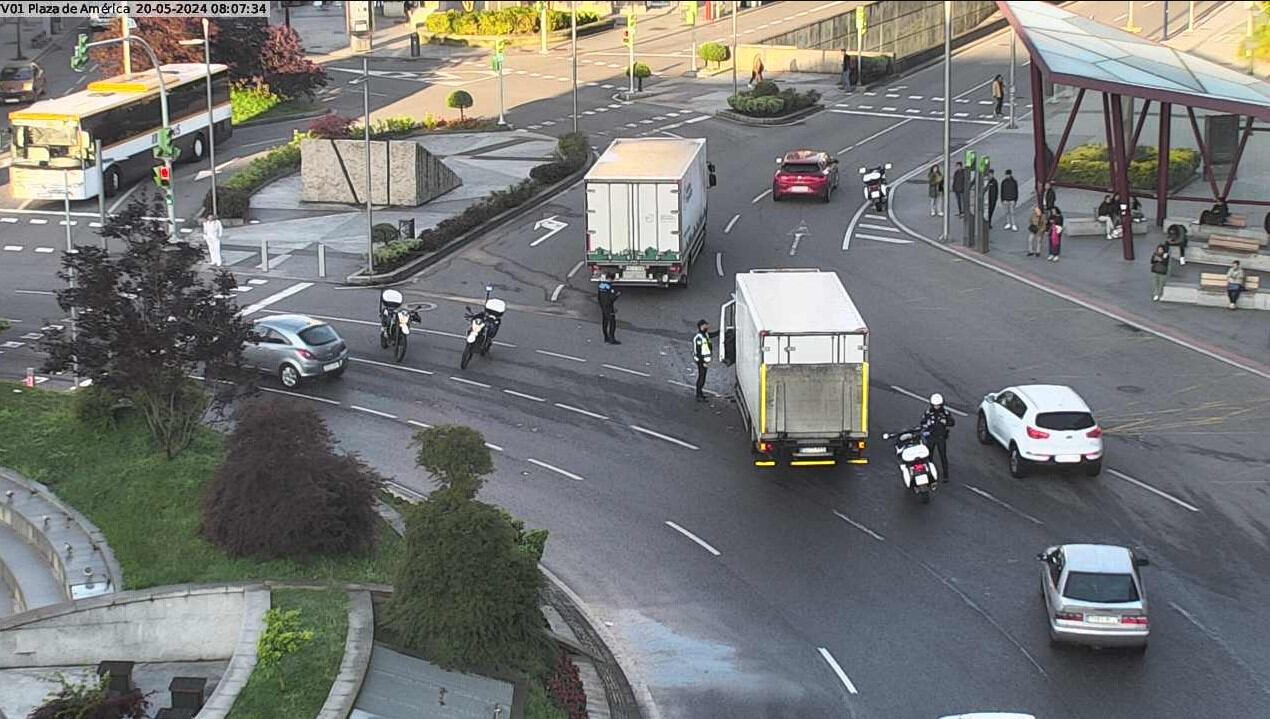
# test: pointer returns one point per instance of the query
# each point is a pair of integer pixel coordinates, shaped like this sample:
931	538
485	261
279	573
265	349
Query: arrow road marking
798	234
553	226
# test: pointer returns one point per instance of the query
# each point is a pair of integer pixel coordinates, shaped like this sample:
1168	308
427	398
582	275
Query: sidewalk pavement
1092	269
324	32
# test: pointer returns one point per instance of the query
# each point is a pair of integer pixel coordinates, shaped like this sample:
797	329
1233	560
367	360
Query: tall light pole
370	222
1014	61
211	119
1190	16
70	249
692	33
1164	34
948	116
1128	25
735	6
573	41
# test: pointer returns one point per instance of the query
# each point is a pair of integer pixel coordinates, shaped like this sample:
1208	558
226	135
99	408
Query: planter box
513	40
787	119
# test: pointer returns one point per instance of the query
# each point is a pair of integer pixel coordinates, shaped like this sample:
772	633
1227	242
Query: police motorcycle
394	322
482	327
875	188
918	472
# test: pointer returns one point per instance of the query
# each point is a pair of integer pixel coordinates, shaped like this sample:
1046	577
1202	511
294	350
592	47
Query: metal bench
1216	282
1230	243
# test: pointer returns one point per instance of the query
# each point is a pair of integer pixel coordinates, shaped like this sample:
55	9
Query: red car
805	172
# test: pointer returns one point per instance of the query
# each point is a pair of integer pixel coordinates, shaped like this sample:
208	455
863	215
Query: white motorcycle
394	322
482	327
920	476
875	188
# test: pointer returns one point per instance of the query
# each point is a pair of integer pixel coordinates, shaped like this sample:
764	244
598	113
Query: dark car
22	82
808	173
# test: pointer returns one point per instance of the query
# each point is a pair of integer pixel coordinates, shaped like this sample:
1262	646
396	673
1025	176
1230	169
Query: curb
415	266
288	118
793	118
358	644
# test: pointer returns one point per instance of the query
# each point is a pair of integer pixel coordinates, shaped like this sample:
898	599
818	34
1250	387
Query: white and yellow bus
53	140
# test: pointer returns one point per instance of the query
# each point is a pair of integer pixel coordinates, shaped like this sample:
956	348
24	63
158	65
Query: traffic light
861	19
166	149
79	60
626	38
163	177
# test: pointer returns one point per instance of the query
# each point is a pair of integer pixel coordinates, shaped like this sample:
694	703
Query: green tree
640	71
459	100
456	457
283	636
147	321
714	52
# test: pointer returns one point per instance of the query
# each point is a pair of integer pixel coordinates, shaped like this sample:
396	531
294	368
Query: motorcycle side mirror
990	397
863	170
1041	556
887	166
886	435
489	288
833	161
778	160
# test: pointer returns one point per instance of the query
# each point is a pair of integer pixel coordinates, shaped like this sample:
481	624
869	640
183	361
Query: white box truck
646	210
801	353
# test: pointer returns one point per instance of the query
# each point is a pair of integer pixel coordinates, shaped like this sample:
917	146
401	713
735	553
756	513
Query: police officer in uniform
702	354
608	295
935	425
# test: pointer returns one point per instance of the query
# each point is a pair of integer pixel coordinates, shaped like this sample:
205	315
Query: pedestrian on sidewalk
212	231
701	354
1055	234
846	71
935	183
998	93
1050	197
1177	238
1107	210
1010	198
990	193
959	189
608	295
1159	271
756	70
1234	283
1036	228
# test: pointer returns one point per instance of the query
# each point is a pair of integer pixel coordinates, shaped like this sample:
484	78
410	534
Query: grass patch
300	683
147	506
288	108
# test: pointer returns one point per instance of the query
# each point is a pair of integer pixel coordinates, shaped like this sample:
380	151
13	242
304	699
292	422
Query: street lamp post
70	248
1190	16
211	119
17	24
948	116
1164	34
573	41
735	6
370	223
1014	61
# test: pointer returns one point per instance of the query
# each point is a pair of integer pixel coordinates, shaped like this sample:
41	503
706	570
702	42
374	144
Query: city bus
53	140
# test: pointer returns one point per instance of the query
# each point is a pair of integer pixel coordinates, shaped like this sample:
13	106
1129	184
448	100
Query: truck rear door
814	385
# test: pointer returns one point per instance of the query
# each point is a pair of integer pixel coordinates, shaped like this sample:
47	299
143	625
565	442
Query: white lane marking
522	395
575	269
494	447
472	382
760	196
9	220
331	318
555	294
13	248
886	228
913	111
846	236
704	545
275	298
455	335
579	410
659	435
891	112
35	292
698	118
1153	490
560	356
731	222
690	386
884	109
297	394
892	94
375	412
553	468
1003	504
386	365
38	221
859	526
610	366
45	250
793	248
833	664
915	97
920	398
417	423
875	135
718	263
890	240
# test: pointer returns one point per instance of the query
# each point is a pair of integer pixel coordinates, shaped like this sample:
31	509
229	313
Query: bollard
415	48
30	377
88	577
264	254
321	260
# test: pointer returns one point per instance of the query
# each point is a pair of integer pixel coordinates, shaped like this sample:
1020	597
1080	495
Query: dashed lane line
614	368
472	382
375	412
659	435
728	228
417	423
718	263
579	410
1153	490
300	395
558	355
386	365
889	240
1004	505
575	269
858	526
522	395
760	196
920	398
553	468
700	542
555	294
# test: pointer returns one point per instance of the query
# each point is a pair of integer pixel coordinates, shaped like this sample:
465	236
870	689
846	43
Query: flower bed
508	21
768	100
1091	165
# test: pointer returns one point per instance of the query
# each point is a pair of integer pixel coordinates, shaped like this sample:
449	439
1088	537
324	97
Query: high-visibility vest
701	348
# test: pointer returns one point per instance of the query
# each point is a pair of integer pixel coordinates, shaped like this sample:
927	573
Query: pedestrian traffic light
165	148
626	38
163	176
79	60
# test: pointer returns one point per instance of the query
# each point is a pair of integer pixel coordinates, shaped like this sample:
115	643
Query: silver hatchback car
1094	595
295	347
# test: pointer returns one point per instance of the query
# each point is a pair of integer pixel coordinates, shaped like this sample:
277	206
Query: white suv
1041	424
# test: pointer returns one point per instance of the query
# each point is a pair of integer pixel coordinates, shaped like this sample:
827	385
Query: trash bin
406	228
415	48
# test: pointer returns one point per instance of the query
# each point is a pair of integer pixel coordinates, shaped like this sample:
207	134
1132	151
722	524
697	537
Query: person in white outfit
212	231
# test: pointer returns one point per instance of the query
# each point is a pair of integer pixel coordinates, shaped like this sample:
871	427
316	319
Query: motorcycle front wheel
383	339
399	349
486	343
467	356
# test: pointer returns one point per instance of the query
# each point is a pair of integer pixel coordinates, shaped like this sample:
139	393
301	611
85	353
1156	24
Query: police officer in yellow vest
702	354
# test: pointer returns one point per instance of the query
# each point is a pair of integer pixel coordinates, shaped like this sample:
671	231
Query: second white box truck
646	210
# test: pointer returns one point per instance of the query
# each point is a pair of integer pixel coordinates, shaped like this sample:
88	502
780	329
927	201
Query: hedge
768	100
1090	165
714	52
508	21
573	150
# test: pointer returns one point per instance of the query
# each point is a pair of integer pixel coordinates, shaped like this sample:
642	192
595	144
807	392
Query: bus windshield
46	146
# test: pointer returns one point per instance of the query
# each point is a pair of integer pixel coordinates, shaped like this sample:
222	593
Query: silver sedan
295	347
1094	595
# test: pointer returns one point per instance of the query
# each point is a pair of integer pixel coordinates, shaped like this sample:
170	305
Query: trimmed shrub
714	52
522	20
640	71
574	148
1090	165
248	101
459	100
384	233
98	406
230	202
331	127
764	88
551	172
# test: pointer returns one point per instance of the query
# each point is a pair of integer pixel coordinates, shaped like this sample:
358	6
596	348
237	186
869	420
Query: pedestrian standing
998	93
959	189
990	195
1050	197
212	231
1177	238
1036	227
935	183
935	425
608	295
1159	271
756	70
702	354
1009	198
1055	234
1234	283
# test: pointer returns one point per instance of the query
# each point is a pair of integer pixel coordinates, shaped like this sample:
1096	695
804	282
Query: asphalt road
728	590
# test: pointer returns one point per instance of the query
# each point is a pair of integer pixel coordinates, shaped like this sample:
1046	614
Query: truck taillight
594	268
765	447
676	268
589	235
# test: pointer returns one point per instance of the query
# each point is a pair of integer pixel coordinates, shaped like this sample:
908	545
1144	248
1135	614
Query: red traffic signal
163	176
626	37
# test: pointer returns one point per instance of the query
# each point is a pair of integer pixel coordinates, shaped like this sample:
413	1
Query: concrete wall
787	58
403	173
906	29
173	624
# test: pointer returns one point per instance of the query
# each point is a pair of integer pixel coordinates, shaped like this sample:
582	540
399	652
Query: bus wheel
198	148
113	182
